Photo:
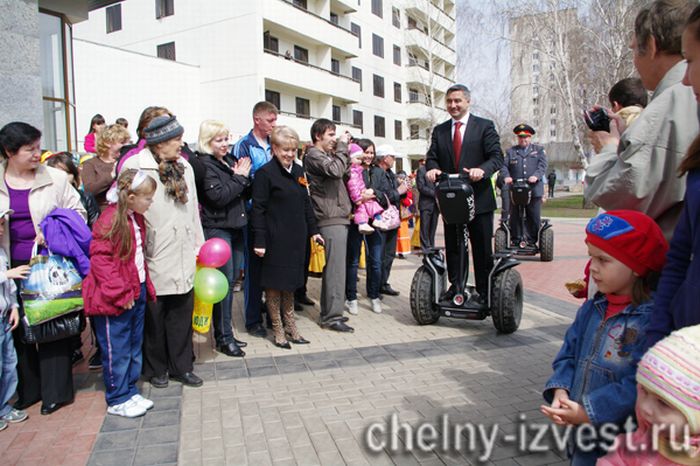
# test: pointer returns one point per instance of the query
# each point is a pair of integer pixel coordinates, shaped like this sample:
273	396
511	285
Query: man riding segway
528	162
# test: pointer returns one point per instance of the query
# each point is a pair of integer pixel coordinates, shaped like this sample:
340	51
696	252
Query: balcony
413	148
290	72
303	125
418	38
422	76
420	111
309	26
436	14
346	6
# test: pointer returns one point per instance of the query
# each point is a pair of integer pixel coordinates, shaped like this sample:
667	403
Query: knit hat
631	237
162	128
671	370
355	151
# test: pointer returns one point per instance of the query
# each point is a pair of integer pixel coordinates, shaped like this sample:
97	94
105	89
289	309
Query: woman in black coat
282	220
223	216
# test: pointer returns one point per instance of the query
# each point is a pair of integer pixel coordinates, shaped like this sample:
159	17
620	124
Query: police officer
526	161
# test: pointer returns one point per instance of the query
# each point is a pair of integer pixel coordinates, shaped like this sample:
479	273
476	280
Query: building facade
37	80
373	66
536	76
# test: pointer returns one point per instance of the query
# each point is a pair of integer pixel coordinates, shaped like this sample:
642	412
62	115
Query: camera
597	120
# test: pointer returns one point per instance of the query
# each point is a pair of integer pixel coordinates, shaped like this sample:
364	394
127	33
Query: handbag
391	216
63	326
52	288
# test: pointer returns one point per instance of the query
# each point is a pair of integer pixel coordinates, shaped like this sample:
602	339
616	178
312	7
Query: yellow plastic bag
363	262
318	258
201	317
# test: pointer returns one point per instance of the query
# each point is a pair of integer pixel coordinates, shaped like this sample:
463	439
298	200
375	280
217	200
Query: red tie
457	143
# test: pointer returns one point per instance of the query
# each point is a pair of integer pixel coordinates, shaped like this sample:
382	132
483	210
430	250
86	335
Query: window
58	101
303	108
378	86
414	131
357	75
397	55
271	43
553	110
378	8
165	8
535	101
114	18
334	18
553	132
412	23
335	66
378	45
301	54
336	114
395	17
379	130
357	119
398	130
413	96
273	97
397	92
300	3
167	51
356	31
535	90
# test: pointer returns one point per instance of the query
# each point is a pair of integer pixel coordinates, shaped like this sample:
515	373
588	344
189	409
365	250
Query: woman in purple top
33	190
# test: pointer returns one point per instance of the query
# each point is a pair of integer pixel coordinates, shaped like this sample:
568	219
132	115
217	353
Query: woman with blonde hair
223	216
282	221
99	172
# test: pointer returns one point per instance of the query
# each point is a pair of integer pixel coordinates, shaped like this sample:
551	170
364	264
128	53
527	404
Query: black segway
504	302
504	242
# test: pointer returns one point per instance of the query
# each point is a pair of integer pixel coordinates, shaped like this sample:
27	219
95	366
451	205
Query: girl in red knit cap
593	383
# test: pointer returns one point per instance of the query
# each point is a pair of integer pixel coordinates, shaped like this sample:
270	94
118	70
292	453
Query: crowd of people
632	349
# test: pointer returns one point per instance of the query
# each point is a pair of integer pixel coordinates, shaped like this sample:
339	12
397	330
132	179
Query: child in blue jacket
593	381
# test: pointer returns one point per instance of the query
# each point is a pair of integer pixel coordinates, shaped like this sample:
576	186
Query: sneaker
3	425
351	306
129	408
380	225
15	416
145	403
376	305
95	361
365	229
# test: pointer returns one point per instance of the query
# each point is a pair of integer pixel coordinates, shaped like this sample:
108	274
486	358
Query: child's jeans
120	338
8	366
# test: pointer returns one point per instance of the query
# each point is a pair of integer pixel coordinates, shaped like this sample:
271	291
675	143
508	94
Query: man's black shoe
240	343
305	300
95	361
449	294
159	381
258	330
388	290
232	350
297	306
189	379
338	326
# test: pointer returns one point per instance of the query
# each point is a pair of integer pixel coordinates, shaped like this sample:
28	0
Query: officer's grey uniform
522	163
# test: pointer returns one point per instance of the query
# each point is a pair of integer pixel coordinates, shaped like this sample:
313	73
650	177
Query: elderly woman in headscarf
173	237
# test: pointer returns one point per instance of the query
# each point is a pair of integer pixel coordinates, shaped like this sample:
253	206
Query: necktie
457	143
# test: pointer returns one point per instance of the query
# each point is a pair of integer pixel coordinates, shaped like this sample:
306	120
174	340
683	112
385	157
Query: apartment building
535	95
375	67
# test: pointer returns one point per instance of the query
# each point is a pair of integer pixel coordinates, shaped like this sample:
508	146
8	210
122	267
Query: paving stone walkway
315	404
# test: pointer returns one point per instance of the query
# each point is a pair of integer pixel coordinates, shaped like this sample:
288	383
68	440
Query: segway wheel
500	241
507	303
422	306
547	246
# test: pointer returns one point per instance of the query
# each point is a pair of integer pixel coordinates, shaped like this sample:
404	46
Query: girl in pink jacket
368	210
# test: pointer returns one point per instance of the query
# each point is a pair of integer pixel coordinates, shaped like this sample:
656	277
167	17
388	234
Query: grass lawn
568	206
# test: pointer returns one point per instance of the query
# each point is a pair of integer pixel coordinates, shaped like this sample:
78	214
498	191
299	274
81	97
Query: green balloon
210	285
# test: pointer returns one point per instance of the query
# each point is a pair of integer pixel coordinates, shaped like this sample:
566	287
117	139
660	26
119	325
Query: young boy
593	380
9	318
628	98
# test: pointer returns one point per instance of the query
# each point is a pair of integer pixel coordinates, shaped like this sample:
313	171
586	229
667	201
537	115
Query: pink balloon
214	253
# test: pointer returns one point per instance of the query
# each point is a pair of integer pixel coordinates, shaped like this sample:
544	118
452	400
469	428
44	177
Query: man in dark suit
469	144
427	208
529	162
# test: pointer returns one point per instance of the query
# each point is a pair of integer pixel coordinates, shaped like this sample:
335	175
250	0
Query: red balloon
214	253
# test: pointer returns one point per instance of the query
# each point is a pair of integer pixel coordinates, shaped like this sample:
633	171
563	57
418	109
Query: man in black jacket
427	207
470	144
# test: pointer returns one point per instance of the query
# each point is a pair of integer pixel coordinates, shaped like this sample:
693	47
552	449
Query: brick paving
313	404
